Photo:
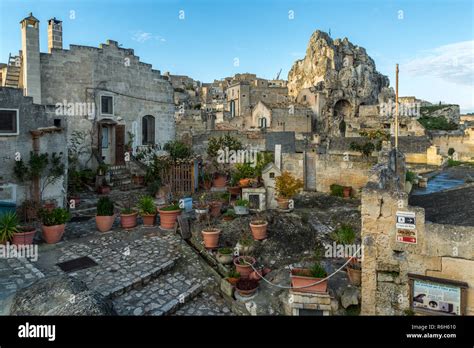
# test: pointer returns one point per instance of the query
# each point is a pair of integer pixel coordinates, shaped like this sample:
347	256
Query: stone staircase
12	78
120	177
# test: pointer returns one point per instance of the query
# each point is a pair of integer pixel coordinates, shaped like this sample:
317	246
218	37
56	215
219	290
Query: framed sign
436	296
406	236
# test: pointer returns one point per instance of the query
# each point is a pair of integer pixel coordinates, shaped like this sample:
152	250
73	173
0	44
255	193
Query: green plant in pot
8	226
233	276
258	226
225	255
26	230
241	207
128	216
169	215
243	264
311	280
53	223
210	235
229	215
286	186
105	216
147	209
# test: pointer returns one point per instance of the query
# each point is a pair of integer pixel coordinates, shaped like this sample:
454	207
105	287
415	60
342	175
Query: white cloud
452	63
141	36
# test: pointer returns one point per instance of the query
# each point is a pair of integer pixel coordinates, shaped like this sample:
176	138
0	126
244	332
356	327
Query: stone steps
162	296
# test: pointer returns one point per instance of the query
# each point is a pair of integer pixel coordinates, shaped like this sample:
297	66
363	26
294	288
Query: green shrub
344	234
177	150
226	251
410	176
437	123
105	207
171	207
8	226
453	163
57	216
317	271
146	206
337	190
242	203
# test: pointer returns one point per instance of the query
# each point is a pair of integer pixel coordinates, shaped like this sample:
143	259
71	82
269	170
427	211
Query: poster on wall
406	236
436	297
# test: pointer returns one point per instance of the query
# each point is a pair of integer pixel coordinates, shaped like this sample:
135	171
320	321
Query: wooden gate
180	178
120	145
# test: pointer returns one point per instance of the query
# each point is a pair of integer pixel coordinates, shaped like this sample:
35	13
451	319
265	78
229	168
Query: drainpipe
36	181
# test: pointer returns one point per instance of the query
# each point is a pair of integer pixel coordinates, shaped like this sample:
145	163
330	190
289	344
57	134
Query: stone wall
441	251
31	117
461	142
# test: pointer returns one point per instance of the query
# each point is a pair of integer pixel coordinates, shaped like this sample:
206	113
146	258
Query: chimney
31	58
55	34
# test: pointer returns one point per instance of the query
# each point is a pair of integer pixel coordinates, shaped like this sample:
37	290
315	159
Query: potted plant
243	264
246	287
206	180
234	188
233	276
105	216
215	208
219	180
287	186
128	216
245	244
354	271
201	208
229	215
259	229
147	210
8	226
310	280
53	223
168	215
241	207
225	255
346	191
224	197
25	235
210	236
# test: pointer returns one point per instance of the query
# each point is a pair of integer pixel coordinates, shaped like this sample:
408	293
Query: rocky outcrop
60	295
343	75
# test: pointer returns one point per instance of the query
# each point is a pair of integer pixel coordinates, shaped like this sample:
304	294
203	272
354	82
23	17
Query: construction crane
278	75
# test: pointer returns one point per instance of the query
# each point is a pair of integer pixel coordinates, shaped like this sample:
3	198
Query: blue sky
432	40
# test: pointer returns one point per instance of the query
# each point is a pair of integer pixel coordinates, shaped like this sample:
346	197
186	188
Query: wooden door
120	145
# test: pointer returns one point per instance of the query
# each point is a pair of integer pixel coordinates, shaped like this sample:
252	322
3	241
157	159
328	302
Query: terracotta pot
346	191
298	281
245	293
103	190
283	203
207	184
168	218
259	231
235	190
227	218
215	208
104	223
128	220
244	269
26	237
233	281
219	181
244	182
149	219
225	259
53	234
211	237
355	275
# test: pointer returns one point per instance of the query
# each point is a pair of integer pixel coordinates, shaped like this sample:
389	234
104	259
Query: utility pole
396	109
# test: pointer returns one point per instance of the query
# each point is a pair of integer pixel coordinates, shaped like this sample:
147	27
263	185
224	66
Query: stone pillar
278	156
55	34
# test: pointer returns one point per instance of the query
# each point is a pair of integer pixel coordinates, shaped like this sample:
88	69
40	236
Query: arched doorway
342	112
148	130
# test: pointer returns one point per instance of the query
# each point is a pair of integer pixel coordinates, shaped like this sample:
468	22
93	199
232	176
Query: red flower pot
26	237
168	218
104	223
300	281
259	230
128	220
219	181
53	234
283	203
215	208
244	182
211	237
244	269
246	287
149	220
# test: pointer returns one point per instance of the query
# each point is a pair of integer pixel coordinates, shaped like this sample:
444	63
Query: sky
432	40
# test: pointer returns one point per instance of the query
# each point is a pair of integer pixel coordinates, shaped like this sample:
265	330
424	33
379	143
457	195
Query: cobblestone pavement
206	303
144	271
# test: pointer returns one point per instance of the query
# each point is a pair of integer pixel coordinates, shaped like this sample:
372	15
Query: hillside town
125	190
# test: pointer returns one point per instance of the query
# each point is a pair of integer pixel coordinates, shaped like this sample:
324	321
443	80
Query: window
57	122
148	130
232	108
9	122
304	98
105	137
107	104
262	122
272	175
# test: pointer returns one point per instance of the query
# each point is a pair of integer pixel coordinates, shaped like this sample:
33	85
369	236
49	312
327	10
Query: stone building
27	127
104	92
